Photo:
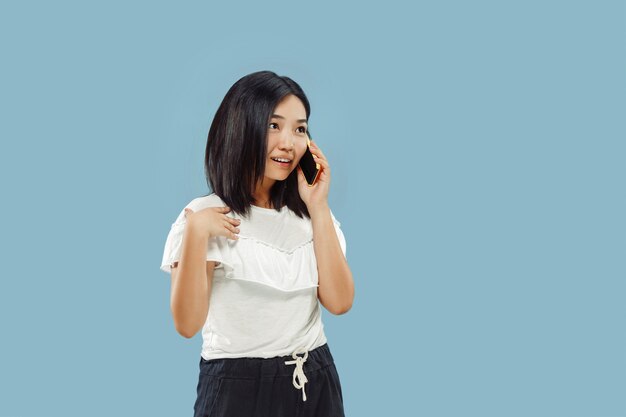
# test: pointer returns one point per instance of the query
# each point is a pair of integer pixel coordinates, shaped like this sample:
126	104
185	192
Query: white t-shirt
263	300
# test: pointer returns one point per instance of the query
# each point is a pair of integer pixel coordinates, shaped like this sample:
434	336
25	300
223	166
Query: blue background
477	151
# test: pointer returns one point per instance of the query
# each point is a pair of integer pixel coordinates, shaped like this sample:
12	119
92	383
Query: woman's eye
302	128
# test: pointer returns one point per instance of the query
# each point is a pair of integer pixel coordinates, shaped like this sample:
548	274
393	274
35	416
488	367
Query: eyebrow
278	116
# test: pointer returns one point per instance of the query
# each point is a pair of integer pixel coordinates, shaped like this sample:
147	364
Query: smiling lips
282	164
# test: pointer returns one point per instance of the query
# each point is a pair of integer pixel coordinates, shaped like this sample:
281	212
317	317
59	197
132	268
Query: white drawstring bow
298	372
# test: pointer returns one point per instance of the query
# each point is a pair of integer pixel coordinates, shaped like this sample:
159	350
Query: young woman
250	261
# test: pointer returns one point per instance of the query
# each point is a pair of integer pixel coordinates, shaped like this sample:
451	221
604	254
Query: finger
325	172
231	227
230	231
314	146
318	153
232	220
324	163
317	158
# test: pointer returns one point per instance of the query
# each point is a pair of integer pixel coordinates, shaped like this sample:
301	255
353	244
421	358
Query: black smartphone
310	168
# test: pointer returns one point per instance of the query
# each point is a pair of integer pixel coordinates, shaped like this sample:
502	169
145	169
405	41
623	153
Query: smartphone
310	168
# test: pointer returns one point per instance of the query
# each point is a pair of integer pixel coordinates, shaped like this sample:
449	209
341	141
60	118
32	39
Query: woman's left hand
316	195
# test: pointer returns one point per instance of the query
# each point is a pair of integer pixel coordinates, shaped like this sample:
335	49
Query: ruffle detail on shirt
279	254
251	259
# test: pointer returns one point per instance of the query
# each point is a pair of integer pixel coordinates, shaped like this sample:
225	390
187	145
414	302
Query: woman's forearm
336	286
191	289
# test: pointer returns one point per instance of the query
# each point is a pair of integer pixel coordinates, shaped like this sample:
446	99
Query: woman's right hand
212	221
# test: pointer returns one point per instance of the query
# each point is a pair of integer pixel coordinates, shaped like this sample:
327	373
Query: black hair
236	148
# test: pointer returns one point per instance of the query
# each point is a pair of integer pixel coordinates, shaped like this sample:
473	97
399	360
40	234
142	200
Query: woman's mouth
282	162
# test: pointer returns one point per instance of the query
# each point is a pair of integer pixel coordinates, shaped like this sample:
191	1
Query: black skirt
306	386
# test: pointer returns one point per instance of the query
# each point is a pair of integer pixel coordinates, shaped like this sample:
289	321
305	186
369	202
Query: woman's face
286	137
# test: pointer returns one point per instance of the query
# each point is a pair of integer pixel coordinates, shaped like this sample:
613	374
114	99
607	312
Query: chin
281	177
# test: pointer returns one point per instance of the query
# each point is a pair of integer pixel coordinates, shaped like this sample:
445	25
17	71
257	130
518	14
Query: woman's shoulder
199	203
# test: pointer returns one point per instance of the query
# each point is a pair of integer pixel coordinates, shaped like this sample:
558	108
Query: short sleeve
340	235
174	241
173	246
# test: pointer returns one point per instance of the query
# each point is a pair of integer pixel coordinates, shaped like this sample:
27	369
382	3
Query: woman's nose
287	141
